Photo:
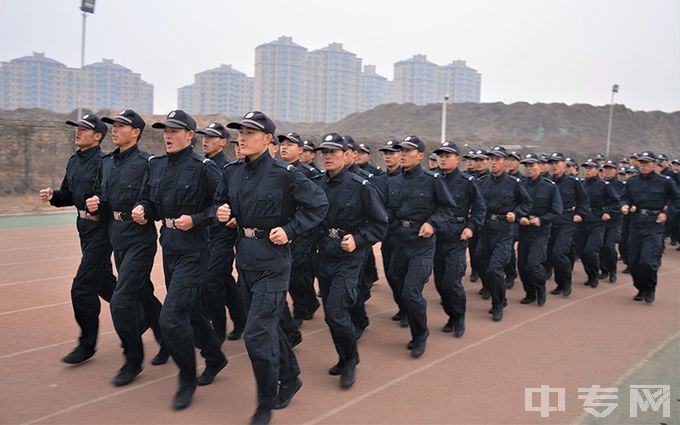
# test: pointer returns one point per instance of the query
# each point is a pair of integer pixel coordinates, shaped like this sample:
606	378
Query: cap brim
330	146
445	150
169	124
81	123
121	120
239	125
482	157
647	159
530	161
283	138
388	150
308	148
497	154
589	164
211	133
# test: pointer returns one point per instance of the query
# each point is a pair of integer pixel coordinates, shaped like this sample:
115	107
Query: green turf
38	220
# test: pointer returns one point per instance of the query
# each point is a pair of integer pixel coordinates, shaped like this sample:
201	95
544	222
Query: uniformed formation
285	222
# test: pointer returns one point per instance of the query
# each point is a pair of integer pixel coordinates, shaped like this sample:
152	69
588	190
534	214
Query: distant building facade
221	90
40	82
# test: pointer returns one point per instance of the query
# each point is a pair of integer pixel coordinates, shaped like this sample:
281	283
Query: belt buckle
494	217
334	233
169	223
82	214
117	216
406	223
644	212
249	233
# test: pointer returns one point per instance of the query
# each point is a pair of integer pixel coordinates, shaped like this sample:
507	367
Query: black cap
390	146
92	122
544	158
634	155
609	164
556	156
662	157
675	162
351	144
364	148
624	160
515	155
632	170
570	161
647	156
433	157
590	162
447	147
621	170
412	142
599	157
530	158
215	129
177	119
127	117
479	154
292	137
255	120
308	145
333	141
469	154
498	151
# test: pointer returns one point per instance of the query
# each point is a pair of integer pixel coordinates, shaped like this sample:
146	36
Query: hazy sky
569	51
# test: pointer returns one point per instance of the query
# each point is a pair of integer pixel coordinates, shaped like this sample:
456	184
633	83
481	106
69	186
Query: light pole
615	89
86	6
446	100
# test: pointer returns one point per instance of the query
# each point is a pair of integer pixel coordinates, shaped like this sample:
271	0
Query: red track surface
594	337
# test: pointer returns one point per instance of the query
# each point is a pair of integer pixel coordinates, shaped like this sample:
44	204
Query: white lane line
20	263
433	363
22	248
4	313
43	279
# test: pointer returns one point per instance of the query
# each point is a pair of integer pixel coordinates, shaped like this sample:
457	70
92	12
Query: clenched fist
184	222
139	215
92	204
223	213
46	194
348	244
278	236
426	231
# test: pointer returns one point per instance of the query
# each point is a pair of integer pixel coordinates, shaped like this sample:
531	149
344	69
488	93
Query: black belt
643	211
568	211
253	233
335	233
121	216
410	224
497	217
458	219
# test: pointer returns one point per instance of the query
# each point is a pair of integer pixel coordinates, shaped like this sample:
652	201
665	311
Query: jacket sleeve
312	205
477	209
210	181
63	197
375	226
582	200
523	201
555	211
444	205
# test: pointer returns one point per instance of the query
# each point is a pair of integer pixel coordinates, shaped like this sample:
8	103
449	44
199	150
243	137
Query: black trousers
589	241
93	279
302	285
623	243
270	353
561	256
511	267
367	276
220	290
495	251
612	235
387	250
449	268
645	243
338	281
411	265
531	256
184	321
133	304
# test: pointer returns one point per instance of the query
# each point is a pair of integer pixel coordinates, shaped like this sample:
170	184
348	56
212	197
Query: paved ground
595	337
